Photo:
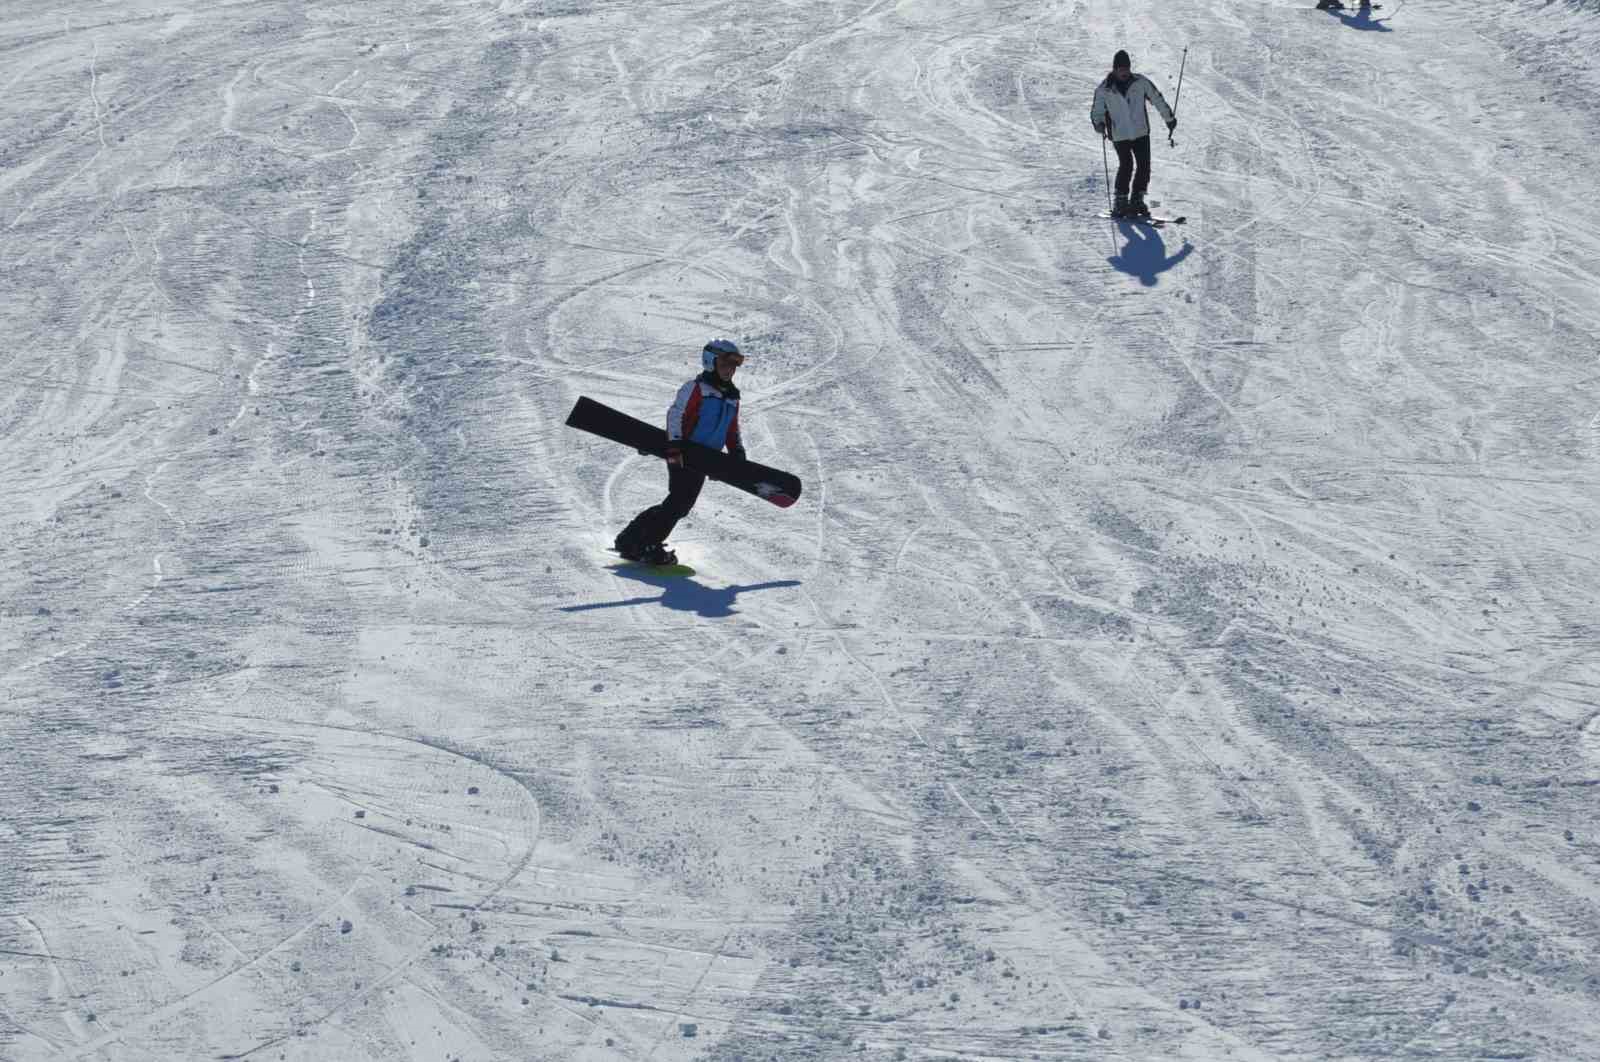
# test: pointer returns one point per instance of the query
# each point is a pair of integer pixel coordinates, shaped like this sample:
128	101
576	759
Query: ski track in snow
1185	647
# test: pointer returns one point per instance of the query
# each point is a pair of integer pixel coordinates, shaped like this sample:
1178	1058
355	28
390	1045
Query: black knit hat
1120	59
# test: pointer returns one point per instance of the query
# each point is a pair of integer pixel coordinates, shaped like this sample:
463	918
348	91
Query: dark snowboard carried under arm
770	484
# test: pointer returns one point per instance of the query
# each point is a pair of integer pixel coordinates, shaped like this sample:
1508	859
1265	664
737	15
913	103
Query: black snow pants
1130	152
651	527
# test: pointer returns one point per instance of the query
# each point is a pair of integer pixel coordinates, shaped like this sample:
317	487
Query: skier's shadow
1145	255
1362	20
682	594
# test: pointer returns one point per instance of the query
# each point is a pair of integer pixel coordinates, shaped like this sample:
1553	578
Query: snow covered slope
1186	646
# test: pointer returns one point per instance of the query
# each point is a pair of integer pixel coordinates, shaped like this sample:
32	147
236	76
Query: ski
769	484
1153	220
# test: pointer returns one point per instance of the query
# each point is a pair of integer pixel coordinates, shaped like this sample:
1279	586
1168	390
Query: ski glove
674	451
1172	123
1099	127
738	451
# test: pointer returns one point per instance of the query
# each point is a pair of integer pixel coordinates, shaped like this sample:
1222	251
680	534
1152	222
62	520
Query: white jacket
1124	106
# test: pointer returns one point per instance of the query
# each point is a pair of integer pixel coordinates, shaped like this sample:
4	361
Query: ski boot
1120	210
1137	208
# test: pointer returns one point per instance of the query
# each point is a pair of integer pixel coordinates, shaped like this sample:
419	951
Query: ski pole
1106	164
1178	95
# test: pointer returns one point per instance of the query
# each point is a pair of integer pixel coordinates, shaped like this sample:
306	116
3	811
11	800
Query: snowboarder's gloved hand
1172	123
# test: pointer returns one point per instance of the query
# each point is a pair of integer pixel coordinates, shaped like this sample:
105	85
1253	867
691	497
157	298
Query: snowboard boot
1137	208
657	554
1120	210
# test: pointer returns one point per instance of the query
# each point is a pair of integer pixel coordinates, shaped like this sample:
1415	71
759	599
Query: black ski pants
651	527
1130	152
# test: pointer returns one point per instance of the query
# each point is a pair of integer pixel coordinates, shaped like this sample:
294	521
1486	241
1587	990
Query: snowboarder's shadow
1145	255
682	594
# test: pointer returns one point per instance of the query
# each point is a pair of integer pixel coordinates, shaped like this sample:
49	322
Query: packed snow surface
1187	646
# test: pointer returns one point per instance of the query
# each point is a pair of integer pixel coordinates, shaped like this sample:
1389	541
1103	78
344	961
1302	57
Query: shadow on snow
1362	20
682	594
1145	255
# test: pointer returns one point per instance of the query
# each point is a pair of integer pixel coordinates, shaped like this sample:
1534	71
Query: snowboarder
1119	112
705	411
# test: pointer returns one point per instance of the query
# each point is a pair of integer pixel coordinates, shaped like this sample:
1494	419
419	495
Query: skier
1119	112
705	411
